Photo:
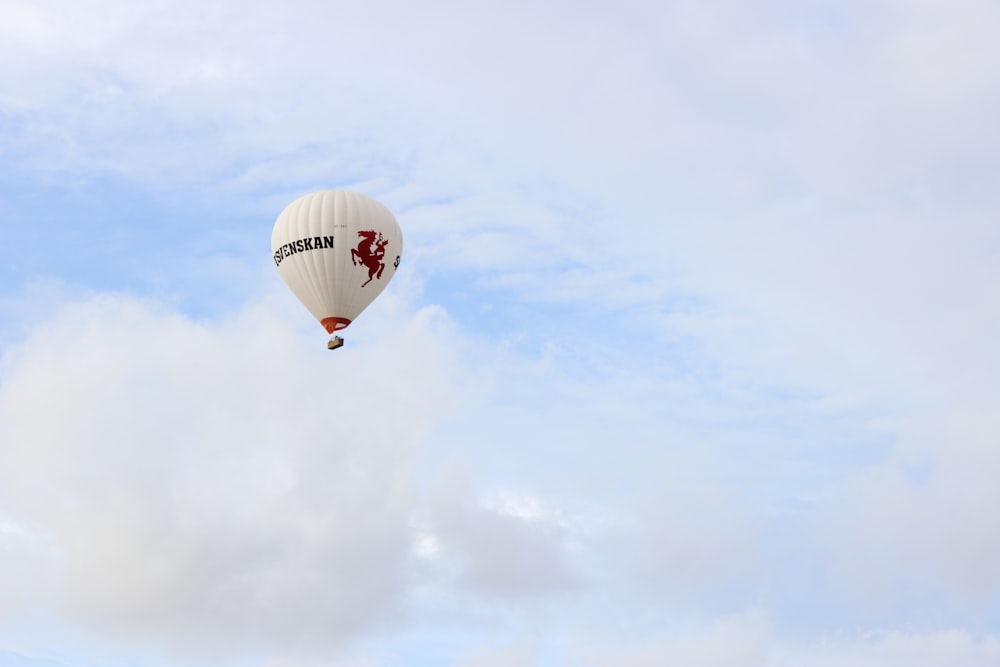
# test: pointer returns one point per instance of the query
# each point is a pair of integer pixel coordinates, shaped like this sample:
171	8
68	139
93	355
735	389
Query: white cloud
750	640
499	553
922	524
729	641
511	656
896	649
205	485
748	257
687	543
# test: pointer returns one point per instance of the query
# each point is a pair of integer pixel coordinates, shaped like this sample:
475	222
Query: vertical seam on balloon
314	259
319	278
301	275
344	305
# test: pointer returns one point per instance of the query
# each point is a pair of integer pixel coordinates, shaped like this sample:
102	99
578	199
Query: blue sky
691	358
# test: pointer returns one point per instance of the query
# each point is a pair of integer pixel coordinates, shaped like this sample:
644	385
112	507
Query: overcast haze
691	357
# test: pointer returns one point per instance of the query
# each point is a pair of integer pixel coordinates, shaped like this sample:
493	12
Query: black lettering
302	245
395	264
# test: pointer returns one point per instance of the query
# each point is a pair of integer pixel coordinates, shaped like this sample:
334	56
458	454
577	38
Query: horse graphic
370	252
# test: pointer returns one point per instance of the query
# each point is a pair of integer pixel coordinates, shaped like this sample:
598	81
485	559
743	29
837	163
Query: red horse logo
370	252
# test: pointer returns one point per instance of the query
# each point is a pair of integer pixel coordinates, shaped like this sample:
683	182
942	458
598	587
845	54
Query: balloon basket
334	343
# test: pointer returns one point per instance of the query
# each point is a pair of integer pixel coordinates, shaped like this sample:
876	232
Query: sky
691	357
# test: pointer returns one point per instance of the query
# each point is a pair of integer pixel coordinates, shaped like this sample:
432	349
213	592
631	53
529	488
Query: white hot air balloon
336	250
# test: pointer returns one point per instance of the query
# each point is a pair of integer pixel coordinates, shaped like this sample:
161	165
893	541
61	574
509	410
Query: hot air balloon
336	250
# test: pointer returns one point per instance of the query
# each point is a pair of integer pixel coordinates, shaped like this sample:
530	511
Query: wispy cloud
691	357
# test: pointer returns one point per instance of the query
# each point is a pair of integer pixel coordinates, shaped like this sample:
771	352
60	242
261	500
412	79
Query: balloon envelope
336	250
